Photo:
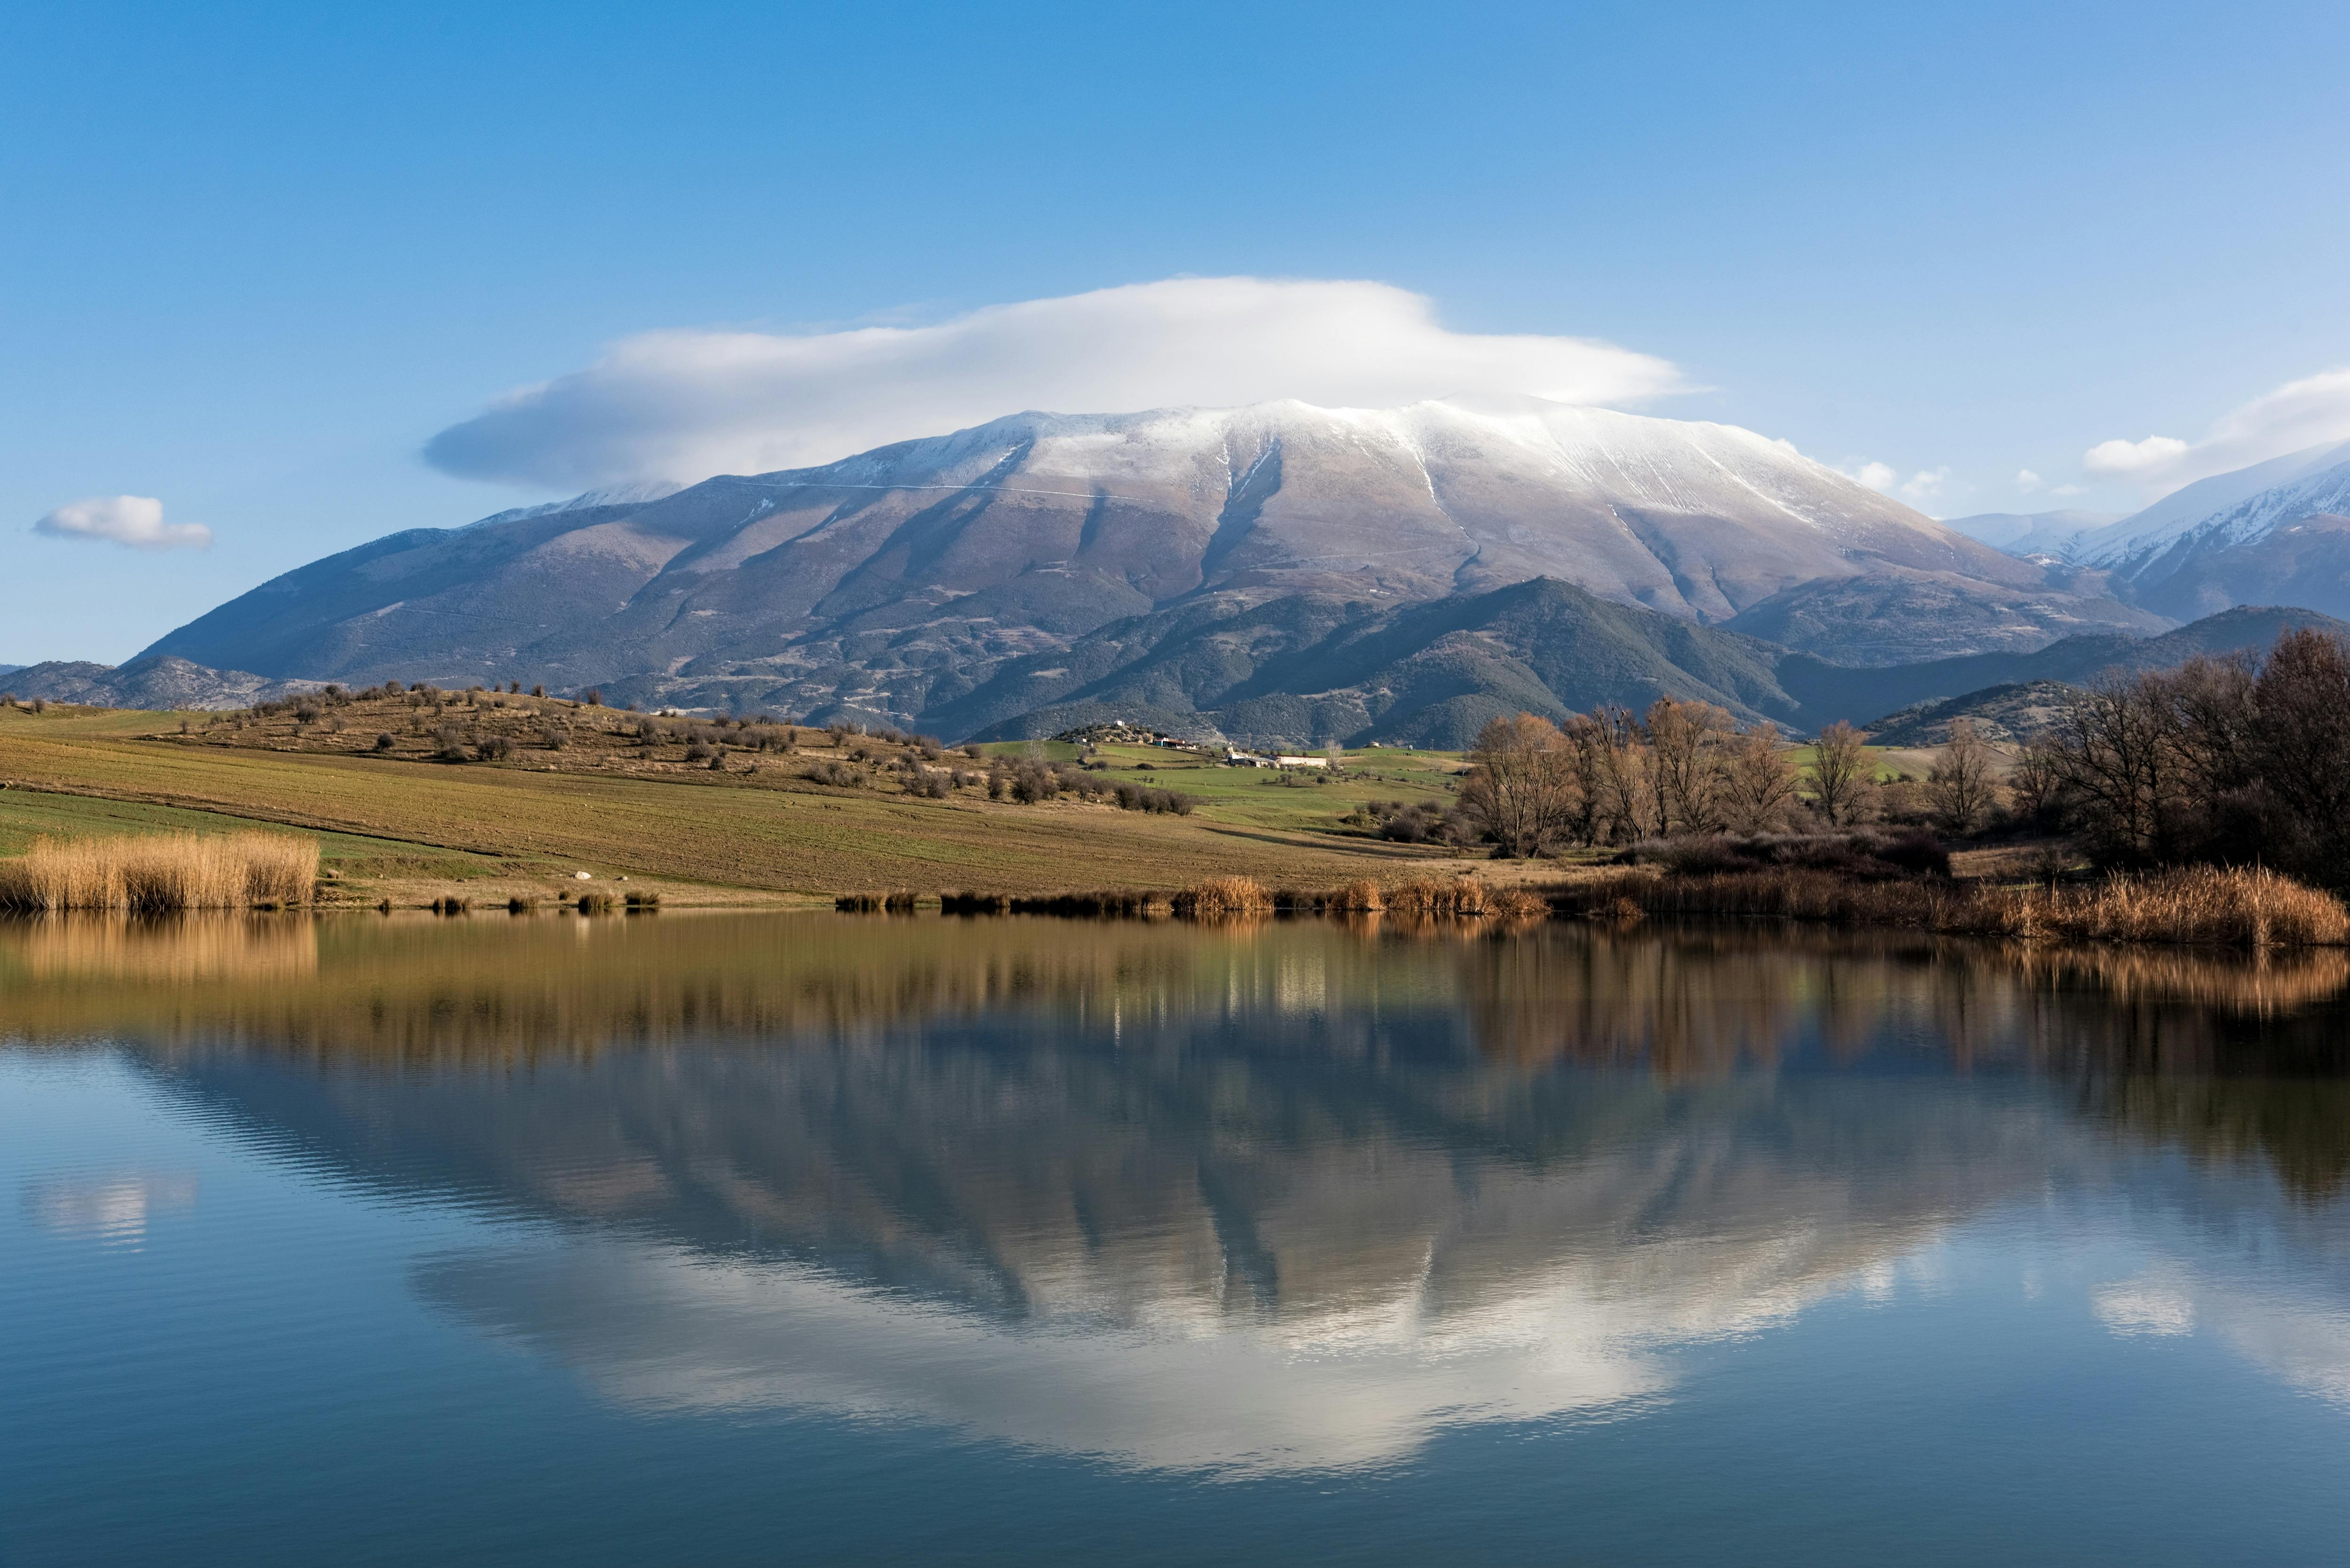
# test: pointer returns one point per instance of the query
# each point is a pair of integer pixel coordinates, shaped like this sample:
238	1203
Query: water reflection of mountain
1289	1197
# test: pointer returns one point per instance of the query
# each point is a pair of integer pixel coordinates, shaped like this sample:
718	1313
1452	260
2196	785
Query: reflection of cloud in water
111	1208
660	1328
1049	1250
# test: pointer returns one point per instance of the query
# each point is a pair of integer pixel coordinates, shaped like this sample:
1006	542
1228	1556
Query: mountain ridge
891	585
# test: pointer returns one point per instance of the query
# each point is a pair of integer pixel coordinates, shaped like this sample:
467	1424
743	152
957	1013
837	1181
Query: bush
1865	853
384	742
495	748
699	751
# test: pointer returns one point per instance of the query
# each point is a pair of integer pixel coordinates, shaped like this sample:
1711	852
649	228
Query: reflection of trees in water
1684	1004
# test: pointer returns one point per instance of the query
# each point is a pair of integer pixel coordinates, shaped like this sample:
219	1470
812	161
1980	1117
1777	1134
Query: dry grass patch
155	874
1222	896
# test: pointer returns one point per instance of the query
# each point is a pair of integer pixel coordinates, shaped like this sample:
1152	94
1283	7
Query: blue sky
259	256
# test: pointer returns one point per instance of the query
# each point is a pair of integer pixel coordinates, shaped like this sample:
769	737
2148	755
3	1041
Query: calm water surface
820	1239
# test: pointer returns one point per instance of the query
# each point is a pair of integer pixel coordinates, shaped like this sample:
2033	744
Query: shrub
699	751
384	742
595	903
495	748
643	901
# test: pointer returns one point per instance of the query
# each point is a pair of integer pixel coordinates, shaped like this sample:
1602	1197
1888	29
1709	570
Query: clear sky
258	256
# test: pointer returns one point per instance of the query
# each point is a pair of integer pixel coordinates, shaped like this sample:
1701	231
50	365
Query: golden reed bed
160	873
2203	906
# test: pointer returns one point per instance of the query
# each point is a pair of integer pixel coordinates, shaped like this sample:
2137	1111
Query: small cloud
2312	412
1878	477
1926	484
2026	480
2135	459
133	520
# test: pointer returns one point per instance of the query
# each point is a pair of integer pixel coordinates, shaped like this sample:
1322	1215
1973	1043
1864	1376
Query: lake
783	1237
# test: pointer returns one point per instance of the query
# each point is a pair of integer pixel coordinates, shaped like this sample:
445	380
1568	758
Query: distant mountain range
1278	574
2275	532
150	680
2031	533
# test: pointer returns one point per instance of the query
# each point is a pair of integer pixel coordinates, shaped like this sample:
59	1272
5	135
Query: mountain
1305	668
2031	533
2241	503
896	584
1827	692
157	681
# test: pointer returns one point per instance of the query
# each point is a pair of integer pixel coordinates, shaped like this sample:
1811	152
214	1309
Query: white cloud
2026	480
2135	459
2070	490
686	404
133	520
1926	484
1879	476
2309	412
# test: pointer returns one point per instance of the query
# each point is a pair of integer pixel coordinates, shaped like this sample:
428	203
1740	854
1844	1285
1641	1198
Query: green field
396	825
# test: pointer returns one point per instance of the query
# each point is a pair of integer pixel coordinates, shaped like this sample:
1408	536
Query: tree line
2232	760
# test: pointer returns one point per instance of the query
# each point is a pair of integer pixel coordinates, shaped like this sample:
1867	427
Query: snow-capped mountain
2248	498
2277	533
893	582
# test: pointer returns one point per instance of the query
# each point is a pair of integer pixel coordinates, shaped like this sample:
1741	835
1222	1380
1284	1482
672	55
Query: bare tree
2036	783
1839	771
1687	742
1960	783
1758	781
1520	785
2299	749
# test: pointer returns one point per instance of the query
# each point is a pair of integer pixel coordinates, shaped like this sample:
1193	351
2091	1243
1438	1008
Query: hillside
896	584
1303	669
1827	692
2006	713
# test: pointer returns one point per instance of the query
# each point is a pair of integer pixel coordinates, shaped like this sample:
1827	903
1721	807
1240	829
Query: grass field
395	827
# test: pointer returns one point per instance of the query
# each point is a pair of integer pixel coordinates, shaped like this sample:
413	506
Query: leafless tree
1687	742
1839	771
1521	786
1758	781
1960	783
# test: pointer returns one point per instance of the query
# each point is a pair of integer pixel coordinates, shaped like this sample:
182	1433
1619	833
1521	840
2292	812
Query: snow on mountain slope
2142	536
891	582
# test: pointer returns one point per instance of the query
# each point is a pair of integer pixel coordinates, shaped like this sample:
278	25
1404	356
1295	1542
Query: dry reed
1222	896
157	874
2204	906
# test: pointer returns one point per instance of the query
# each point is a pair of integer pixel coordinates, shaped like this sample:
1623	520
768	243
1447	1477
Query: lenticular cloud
686	405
